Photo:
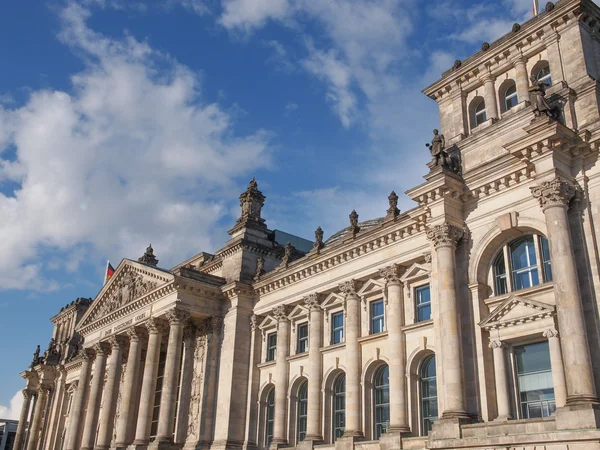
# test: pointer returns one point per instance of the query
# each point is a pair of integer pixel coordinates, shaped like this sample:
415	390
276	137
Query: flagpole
536	7
106	271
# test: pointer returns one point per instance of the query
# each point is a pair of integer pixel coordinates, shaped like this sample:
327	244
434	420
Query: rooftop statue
541	106
439	153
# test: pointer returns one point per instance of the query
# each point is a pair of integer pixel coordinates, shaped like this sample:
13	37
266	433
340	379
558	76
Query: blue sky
124	122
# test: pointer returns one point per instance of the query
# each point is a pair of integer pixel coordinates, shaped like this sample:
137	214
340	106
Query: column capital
281	313
349	287
313	302
486	77
496	343
44	389
134	334
392	273
27	393
86	354
155	325
116	341
557	192
551	333
101	348
177	316
519	59
445	235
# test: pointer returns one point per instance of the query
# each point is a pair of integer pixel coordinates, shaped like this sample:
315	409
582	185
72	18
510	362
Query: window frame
506	96
418	306
376	319
546	77
424	431
477	113
381	406
302	418
270	417
335	412
301	341
334	329
271	350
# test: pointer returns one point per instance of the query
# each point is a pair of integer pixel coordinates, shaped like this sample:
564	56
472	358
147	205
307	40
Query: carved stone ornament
349	287
557	192
148	257
177	316
251	203
393	210
551	333
392	273
253	322
101	348
133	334
28	393
116	341
313	302
287	255
260	262
354	228
318	244
496	344
445	235
281	313
154	325
130	286
516	27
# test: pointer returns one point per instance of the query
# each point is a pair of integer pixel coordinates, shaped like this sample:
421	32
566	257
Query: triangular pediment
415	272
299	312
131	281
371	287
515	310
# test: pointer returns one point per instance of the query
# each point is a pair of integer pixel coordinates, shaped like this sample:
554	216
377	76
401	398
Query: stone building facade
470	321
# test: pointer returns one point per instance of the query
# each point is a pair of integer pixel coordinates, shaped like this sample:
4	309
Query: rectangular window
337	328
423	300
546	259
534	379
302	332
271	347
377	316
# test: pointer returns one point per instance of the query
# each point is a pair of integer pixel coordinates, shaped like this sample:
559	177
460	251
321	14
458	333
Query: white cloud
132	155
250	14
13	410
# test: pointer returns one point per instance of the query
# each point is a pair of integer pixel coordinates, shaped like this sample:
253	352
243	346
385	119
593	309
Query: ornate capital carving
281	313
154	326
392	273
27	394
557	192
445	235
177	316
216	324
313	302
44	389
133	334
254	322
495	343
551	333
101	348
349	287
86	354
116	341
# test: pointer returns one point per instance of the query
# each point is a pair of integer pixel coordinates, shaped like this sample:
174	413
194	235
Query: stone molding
117	341
496	343
445	235
551	333
557	192
101	348
28	393
495	319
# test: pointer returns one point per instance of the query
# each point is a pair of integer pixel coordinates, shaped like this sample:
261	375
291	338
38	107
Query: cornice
237	288
156	294
332	257
439	186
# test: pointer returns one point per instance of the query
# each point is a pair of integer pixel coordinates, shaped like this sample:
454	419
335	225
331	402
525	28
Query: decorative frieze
557	192
445	235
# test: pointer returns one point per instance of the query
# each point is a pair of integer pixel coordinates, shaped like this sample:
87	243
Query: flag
535	7
110	270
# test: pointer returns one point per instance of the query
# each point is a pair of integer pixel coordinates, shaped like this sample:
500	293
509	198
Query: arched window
270	417
477	112
510	96
428	388
527	260
543	74
382	401
339	407
302	410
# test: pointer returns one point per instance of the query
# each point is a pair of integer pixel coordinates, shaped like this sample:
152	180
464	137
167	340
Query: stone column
444	238
111	391
19	437
554	197
127	400
281	374
166	416
142	432
210	397
397	349
353	358
187	374
501	379
558	371
489	90
522	79
93	409
36	420
315	367
78	406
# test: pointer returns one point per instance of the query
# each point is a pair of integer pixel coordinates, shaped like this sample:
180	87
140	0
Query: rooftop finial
252	201
318	244
148	257
393	210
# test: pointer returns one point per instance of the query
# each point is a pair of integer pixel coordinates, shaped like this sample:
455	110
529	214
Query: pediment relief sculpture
130	286
516	310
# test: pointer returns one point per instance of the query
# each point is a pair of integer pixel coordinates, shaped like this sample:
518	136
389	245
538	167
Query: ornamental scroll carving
281	313
445	235
131	286
557	192
313	302
496	344
349	287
